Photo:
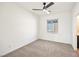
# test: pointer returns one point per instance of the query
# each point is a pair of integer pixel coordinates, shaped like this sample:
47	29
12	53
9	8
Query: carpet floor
44	48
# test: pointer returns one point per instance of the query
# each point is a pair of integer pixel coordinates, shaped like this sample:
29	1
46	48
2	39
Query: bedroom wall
64	33
18	27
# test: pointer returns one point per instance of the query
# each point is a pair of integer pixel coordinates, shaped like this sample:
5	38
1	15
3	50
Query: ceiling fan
44	9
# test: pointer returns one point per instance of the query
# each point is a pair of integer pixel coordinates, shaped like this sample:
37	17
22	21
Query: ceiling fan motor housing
44	5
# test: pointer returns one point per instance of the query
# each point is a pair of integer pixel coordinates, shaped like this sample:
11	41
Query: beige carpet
43	48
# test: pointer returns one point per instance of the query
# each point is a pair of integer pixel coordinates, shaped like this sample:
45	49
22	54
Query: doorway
78	32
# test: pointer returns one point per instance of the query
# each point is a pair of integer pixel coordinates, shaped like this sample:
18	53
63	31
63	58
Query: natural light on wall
78	25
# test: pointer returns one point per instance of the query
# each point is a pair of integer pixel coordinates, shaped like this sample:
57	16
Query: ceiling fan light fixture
44	10
48	12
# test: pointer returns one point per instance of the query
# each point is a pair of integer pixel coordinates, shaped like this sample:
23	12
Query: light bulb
46	11
78	17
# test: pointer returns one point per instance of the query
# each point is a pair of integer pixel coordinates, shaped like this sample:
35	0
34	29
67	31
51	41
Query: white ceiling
57	7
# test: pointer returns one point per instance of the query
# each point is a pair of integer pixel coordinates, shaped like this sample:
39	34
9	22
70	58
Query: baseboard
55	41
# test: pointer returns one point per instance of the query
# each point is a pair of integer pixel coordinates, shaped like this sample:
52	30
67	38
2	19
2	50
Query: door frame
74	31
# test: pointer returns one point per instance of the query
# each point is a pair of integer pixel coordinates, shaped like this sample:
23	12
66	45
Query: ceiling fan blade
49	11
50	4
38	9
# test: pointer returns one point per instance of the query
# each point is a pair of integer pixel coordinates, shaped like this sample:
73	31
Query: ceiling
57	7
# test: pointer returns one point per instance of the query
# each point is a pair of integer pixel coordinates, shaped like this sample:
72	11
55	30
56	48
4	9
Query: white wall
74	25
17	27
64	28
